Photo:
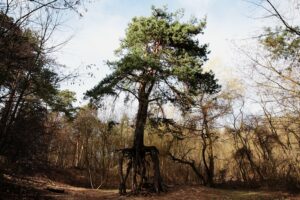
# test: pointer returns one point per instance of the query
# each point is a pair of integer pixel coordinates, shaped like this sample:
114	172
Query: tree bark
141	118
137	154
138	143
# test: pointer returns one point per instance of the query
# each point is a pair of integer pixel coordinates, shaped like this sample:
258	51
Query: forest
186	133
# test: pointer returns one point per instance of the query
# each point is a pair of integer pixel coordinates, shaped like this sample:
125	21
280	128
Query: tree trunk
137	154
141	118
138	142
209	167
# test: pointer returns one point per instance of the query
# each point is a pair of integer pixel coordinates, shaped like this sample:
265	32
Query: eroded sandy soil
37	188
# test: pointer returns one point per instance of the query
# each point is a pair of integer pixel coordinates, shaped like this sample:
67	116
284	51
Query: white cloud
96	37
196	6
98	33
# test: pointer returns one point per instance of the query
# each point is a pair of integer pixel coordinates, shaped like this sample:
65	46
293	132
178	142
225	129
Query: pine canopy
163	56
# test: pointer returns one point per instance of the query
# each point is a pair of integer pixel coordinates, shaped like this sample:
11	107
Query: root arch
143	166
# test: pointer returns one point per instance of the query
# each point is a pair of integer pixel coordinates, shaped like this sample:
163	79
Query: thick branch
190	163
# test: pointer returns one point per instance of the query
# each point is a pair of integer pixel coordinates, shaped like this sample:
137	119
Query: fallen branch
56	190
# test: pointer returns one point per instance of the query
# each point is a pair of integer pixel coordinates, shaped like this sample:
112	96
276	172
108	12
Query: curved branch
190	163
286	24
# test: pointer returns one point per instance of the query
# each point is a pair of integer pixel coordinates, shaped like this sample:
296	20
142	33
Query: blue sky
97	34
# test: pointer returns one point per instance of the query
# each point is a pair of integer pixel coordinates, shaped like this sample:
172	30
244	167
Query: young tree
202	124
160	61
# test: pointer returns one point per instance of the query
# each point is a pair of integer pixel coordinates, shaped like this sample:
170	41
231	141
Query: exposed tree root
143	165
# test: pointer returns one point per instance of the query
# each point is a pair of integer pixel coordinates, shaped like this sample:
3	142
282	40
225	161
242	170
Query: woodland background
218	143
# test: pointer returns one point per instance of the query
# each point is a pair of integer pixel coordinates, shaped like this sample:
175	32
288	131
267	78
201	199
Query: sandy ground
37	188
186	192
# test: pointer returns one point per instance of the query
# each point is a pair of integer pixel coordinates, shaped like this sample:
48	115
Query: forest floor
42	188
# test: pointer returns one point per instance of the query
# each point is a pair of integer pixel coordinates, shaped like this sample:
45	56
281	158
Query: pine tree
160	61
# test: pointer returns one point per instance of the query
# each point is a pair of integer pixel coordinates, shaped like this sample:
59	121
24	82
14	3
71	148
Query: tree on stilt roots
140	181
160	61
